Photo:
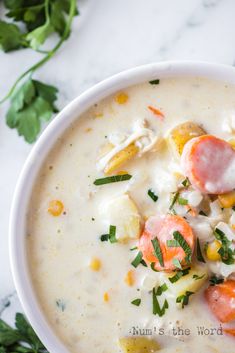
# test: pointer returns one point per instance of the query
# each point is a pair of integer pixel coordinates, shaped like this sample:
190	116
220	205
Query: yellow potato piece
227	200
121	158
182	133
138	345
212	251
192	282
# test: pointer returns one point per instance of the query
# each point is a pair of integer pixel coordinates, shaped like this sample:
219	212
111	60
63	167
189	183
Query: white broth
85	286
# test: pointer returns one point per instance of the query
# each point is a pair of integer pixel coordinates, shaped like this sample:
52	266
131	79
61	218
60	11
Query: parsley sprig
20	339
31	105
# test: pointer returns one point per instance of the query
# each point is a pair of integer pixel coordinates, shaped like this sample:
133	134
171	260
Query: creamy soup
131	222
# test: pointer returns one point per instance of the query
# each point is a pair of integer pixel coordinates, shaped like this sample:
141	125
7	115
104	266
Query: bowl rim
72	112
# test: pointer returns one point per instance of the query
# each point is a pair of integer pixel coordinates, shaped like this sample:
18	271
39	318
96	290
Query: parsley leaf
11	339
152	195
215	280
184	245
112	179
11	37
136	302
184	299
226	253
179	274
200	257
157	251
32	104
157	310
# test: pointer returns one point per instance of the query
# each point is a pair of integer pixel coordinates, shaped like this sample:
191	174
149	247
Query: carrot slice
229	331
157	112
220	299
163	228
209	163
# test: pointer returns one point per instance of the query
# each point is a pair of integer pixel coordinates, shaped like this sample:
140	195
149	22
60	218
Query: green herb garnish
215	280
200	257
153	196
226	253
21	339
184	299
154	82
172	243
202	213
182	201
174	200
179	274
32	102
157	310
157	251
112	179
137	260
60	304
152	267
161	289
186	183
111	236
177	263
184	245
136	302
196	277
134	248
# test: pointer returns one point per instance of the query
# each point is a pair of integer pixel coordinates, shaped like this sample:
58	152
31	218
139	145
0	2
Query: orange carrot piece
156	112
163	228
220	299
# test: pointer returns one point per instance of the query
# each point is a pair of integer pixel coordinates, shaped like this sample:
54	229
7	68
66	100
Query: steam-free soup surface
86	286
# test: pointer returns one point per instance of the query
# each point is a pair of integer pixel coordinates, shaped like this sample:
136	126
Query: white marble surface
108	37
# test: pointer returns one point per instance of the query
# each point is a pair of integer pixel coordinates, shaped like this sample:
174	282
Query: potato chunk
138	345
121	158
182	133
123	213
192	282
227	200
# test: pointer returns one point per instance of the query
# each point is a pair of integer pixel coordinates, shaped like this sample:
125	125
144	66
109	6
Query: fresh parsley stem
50	54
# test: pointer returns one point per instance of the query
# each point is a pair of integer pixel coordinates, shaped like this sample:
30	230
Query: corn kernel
121	98
98	115
121	157
95	264
55	208
227	200
212	251
232	143
106	297
129	279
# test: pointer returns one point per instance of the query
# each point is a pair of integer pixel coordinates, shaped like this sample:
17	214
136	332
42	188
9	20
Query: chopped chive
137	260
112	179
186	182
202	213
177	263
154	82
182	201
172	243
60	303
200	257
143	263
161	289
226	253
184	245
134	248
104	237
157	251
152	267
136	302
157	310
175	198
196	277
184	299
152	194
112	234
215	280
179	274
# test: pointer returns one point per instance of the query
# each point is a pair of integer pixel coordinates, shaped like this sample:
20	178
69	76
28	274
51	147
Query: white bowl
39	152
